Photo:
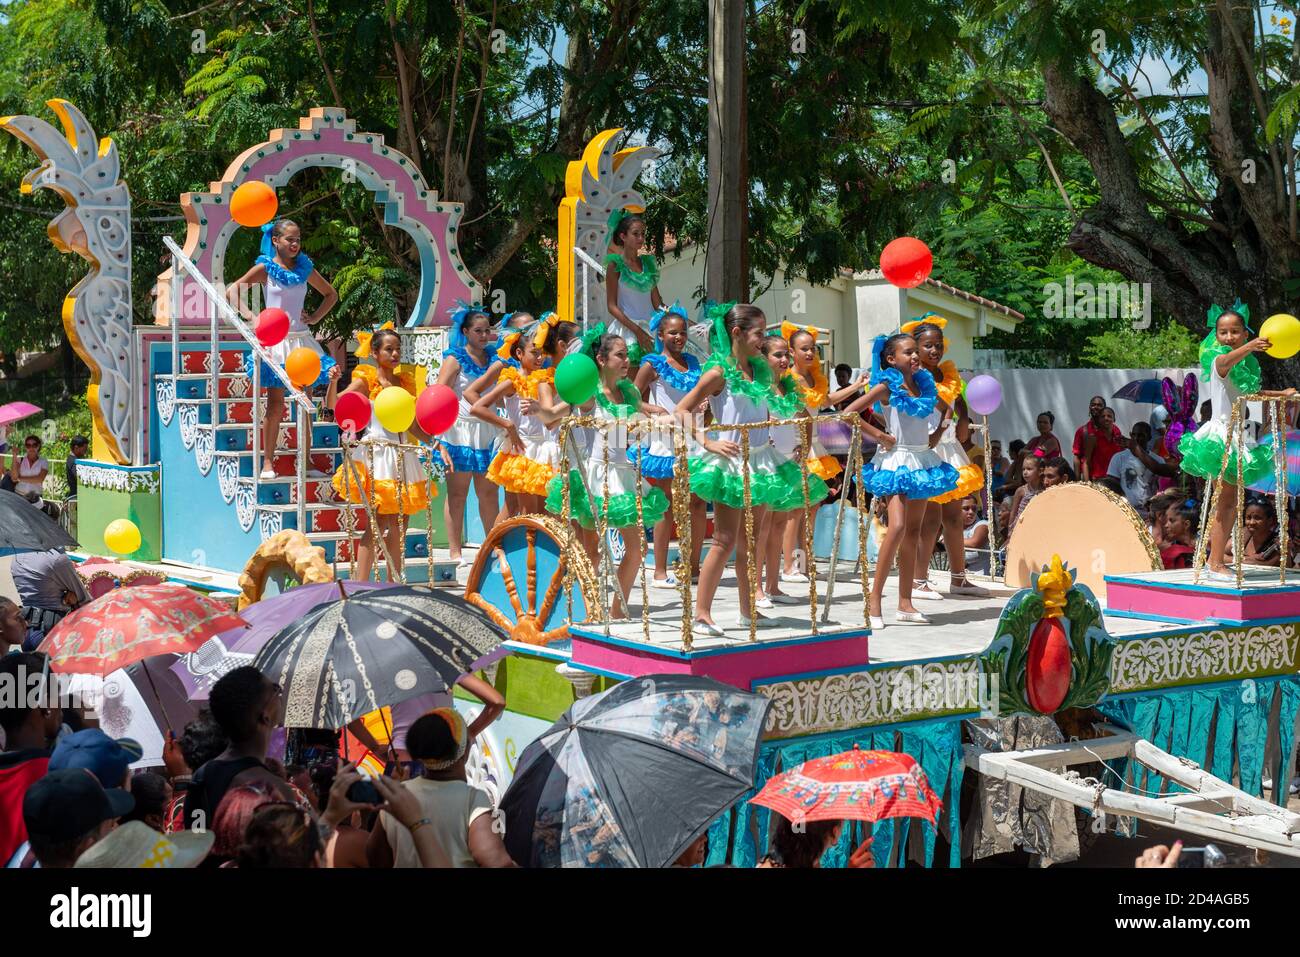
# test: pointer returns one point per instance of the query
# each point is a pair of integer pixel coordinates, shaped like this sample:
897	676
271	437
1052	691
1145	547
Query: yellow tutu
970	481
356	487
520	474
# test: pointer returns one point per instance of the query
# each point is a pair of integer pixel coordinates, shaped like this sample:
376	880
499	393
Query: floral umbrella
853	785
129	624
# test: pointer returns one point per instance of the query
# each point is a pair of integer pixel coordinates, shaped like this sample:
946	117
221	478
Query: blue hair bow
463	310
267	249
657	320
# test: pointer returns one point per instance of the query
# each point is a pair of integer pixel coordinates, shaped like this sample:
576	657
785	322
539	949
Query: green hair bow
715	313
1239	308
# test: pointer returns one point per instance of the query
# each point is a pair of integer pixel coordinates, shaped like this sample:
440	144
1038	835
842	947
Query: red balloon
352	411
436	409
906	262
272	326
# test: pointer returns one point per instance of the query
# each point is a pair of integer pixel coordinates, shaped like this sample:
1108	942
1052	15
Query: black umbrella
355	655
25	528
630	777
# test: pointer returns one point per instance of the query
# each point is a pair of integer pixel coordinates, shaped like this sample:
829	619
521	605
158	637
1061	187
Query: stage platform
1175	595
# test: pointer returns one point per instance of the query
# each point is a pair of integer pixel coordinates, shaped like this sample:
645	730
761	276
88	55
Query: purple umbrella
200	669
1145	391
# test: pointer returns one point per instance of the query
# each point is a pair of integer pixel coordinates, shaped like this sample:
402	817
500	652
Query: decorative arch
327	138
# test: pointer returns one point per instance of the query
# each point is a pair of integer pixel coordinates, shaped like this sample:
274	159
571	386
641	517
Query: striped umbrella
852	786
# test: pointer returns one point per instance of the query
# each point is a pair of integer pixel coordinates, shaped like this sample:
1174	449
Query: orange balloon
302	366
253	204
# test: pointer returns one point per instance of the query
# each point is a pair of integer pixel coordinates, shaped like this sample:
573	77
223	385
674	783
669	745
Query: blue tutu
271	379
467	459
910	483
653	466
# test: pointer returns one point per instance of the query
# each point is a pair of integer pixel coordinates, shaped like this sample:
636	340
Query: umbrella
199	670
355	655
1268	484
853	785
1141	390
129	624
630	777
141	701
12	412
25	528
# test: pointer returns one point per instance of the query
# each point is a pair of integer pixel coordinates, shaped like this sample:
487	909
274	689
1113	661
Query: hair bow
461	313
544	325
657	320
1190	503
933	319
591	339
267	249
788	329
1238	308
616	217
715	314
507	345
364	338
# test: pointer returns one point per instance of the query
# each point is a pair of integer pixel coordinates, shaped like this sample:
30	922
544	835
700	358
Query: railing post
304	440
214	370
176	300
584	298
253	419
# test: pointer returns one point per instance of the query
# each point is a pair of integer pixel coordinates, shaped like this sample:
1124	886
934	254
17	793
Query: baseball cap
106	758
136	844
64	805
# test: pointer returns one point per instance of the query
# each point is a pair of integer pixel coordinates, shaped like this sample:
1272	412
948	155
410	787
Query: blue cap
106	758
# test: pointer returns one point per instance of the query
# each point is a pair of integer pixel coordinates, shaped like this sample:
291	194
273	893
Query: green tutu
622	506
1202	456
781	491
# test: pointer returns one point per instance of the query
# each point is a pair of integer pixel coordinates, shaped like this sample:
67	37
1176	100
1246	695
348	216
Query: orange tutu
520	474
356	487
970	481
825	467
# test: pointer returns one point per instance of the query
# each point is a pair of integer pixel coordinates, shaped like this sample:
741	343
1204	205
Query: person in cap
108	759
459	814
136	844
67	812
27	731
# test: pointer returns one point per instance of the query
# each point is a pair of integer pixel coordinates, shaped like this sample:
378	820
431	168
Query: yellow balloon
1283	332
395	408
122	536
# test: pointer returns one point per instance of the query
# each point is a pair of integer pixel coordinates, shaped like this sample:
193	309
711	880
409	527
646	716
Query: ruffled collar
470	367
1245	375
917	406
814	396
672	376
757	390
302	268
630	405
786	404
526	385
642	281
949	390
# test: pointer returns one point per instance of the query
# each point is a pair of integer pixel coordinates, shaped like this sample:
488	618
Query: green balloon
576	378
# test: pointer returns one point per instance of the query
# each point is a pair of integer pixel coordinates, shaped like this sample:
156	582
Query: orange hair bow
788	329
507	344
930	318
364	338
544	326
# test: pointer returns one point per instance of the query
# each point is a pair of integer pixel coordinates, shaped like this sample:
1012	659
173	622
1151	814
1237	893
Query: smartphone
1207	856
364	792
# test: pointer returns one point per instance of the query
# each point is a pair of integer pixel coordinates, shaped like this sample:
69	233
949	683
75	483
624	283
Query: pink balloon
352	412
272	326
436	409
983	394
906	262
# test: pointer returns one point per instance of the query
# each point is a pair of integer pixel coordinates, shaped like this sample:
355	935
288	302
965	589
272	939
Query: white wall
1065	392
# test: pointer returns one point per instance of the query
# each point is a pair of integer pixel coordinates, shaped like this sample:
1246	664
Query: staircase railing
223	311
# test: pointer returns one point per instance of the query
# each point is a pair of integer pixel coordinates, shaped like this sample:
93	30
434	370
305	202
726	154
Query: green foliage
1124	347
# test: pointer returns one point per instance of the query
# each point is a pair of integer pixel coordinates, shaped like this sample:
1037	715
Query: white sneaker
794	578
925	591
707	629
876	622
268	475
743	622
969	588
765	602
669	582
784	599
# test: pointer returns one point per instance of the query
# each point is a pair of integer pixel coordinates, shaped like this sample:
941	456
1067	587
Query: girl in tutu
737	383
908	471
398	485
814	392
663	378
286	272
631	284
952	418
1229	366
468	443
529	454
616	403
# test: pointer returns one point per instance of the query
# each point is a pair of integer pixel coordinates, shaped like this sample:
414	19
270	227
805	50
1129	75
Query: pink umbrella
16	411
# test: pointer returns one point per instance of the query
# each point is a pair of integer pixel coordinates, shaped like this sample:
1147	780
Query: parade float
1091	692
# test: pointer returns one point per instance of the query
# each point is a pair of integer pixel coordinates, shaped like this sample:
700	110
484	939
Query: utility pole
727	263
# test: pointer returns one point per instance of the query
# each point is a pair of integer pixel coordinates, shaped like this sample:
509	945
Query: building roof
942	287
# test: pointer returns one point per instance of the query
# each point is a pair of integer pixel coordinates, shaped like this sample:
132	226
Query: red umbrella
129	624
854	785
